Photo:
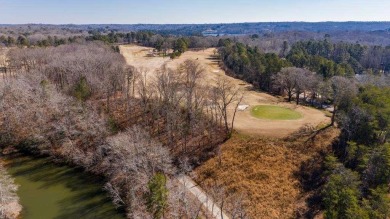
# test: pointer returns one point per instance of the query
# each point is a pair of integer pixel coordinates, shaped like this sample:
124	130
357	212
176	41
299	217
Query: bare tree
237	207
186	204
239	100
133	159
285	81
343	90
193	73
313	87
223	95
145	92
304	79
131	76
292	81
115	194
194	97
168	83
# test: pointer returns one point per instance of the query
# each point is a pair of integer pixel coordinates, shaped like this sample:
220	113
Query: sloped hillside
271	174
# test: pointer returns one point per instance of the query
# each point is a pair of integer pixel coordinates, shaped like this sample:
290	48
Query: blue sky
186	11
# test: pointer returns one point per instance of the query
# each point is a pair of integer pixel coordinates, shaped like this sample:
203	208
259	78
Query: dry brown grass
266	171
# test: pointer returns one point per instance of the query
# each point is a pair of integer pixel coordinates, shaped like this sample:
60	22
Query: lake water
49	191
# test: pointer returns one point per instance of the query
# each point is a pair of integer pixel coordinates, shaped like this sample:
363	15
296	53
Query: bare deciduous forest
68	93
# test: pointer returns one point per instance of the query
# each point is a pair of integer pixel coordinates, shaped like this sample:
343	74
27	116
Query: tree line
167	45
329	59
357	176
323	59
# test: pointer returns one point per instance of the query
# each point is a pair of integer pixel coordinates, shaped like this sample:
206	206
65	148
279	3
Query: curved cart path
203	198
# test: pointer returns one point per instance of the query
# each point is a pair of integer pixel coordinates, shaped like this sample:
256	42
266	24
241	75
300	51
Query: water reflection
60	192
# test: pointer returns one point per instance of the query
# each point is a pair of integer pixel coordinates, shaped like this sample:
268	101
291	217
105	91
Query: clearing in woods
245	122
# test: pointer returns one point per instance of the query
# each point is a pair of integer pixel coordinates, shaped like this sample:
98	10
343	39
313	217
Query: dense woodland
71	96
83	105
357	175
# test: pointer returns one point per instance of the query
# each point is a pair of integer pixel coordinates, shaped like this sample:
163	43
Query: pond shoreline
12	209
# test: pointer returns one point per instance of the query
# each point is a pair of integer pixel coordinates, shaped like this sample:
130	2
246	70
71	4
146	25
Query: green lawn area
274	113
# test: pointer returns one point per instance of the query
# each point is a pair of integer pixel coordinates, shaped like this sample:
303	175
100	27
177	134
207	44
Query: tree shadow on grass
311	178
214	58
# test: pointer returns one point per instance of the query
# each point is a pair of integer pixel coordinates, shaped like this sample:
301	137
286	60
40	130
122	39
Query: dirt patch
245	123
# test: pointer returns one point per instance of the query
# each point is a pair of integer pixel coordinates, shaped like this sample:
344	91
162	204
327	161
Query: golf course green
275	113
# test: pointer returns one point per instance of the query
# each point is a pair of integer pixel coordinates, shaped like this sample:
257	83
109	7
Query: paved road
207	202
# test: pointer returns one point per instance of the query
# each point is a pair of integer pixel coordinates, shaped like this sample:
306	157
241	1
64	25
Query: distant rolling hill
228	29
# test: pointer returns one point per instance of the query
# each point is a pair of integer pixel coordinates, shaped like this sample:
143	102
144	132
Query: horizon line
245	22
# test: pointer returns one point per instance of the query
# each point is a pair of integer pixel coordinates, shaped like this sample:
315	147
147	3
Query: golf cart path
203	198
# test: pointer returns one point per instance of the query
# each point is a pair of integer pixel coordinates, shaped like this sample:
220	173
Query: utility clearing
245	122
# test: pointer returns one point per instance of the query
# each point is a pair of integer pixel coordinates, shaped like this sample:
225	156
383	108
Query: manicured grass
274	113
